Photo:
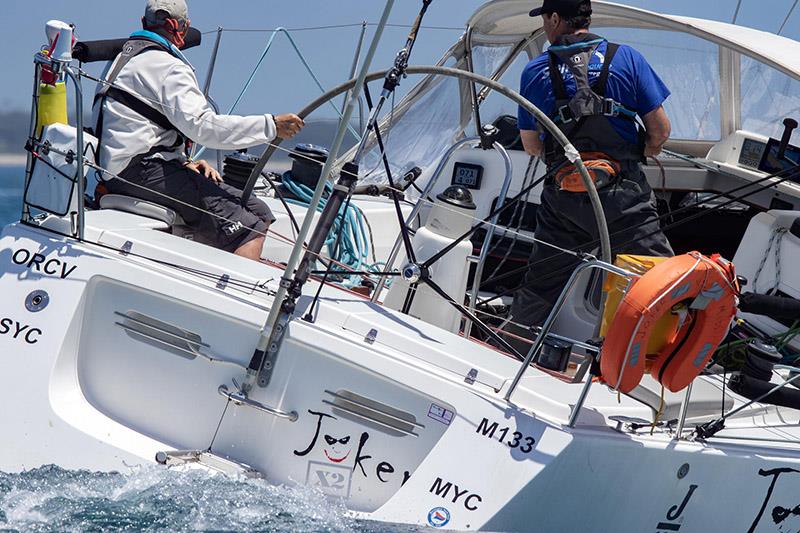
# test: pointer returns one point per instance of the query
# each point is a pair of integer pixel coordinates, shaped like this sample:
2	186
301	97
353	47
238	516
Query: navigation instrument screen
772	165
467	175
752	152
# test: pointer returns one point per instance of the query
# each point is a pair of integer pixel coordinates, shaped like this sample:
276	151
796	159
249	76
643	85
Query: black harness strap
133	103
131	49
599	86
557	81
602	81
585	116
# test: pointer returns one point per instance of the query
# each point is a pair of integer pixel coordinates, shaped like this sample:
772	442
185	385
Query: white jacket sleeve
187	108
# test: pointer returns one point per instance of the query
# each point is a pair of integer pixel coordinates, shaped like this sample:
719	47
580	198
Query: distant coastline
12	160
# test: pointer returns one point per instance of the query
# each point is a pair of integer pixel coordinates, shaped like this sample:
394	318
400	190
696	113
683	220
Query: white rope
777	237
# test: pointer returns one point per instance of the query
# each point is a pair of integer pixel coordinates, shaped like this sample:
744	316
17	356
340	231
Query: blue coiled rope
354	245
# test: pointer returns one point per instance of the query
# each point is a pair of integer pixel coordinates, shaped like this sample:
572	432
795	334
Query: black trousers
212	210
567	220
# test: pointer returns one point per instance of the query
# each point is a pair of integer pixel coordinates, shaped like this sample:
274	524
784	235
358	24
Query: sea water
153	498
51	499
11	183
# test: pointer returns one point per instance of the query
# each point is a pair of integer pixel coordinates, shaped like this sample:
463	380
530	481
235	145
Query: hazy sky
283	84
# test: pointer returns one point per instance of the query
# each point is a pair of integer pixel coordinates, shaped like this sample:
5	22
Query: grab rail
417	208
476	281
548	324
240	399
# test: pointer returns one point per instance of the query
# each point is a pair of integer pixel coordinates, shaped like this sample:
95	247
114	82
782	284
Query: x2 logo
330	479
348	451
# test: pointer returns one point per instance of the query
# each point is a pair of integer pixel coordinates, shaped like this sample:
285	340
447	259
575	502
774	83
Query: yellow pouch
52	105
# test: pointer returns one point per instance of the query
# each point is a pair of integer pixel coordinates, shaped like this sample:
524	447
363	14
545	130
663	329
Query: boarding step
208	460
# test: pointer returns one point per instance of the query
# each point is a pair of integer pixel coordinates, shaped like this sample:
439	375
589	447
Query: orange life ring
710	288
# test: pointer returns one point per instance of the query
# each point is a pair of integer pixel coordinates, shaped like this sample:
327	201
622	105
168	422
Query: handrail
240	399
417	207
548	324
501	199
79	146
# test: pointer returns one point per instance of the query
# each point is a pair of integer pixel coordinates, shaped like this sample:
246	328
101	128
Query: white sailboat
124	343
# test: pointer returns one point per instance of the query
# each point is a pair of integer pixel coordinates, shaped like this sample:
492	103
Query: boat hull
126	359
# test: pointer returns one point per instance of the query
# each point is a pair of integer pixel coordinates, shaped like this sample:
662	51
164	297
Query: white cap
176	9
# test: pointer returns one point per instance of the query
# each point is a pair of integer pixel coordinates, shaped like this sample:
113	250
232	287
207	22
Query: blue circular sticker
438	517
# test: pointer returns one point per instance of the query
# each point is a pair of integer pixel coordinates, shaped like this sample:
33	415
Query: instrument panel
772	165
763	156
751	154
467	175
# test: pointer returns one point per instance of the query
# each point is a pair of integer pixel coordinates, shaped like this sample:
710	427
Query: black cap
565	8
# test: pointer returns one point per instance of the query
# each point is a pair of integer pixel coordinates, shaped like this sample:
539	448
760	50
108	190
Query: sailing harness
585	117
140	42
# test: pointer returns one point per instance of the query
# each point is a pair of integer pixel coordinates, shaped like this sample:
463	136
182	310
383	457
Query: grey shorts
213	211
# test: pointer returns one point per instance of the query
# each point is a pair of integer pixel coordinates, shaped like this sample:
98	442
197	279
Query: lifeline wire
258	67
781	176
278	147
269	233
334	26
560	249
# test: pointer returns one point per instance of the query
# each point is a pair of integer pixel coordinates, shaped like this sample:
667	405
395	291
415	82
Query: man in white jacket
149	105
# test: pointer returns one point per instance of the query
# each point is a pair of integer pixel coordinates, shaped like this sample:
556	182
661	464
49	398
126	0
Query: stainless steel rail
490	231
548	324
240	399
418	207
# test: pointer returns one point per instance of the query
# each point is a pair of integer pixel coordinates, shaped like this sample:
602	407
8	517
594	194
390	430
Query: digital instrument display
752	152
772	165
467	175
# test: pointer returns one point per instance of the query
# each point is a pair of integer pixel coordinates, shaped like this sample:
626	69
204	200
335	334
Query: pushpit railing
533	353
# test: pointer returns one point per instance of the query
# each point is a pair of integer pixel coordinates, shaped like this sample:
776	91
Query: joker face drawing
337	450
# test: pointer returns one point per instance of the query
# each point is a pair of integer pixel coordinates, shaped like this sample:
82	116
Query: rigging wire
281	148
525	236
266	234
305	63
759	187
278	147
333	27
519	216
502	228
788	16
736	14
279	195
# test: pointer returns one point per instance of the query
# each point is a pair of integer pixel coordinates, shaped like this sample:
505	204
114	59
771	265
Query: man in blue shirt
593	90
